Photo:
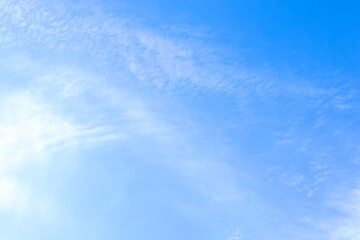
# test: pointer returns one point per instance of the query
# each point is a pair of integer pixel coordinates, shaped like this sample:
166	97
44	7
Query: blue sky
216	120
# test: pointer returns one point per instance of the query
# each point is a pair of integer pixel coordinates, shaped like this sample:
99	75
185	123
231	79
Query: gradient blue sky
158	120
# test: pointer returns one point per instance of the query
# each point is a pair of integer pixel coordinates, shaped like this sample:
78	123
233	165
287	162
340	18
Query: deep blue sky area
308	34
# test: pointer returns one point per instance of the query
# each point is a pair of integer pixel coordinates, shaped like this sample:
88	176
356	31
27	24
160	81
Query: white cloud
237	235
40	127
65	107
347	226
13	195
30	133
151	56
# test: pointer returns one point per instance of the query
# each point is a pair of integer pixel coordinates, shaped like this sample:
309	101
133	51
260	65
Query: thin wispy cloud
346	204
109	118
31	133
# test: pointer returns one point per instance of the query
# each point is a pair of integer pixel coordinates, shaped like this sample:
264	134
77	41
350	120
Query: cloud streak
83	74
